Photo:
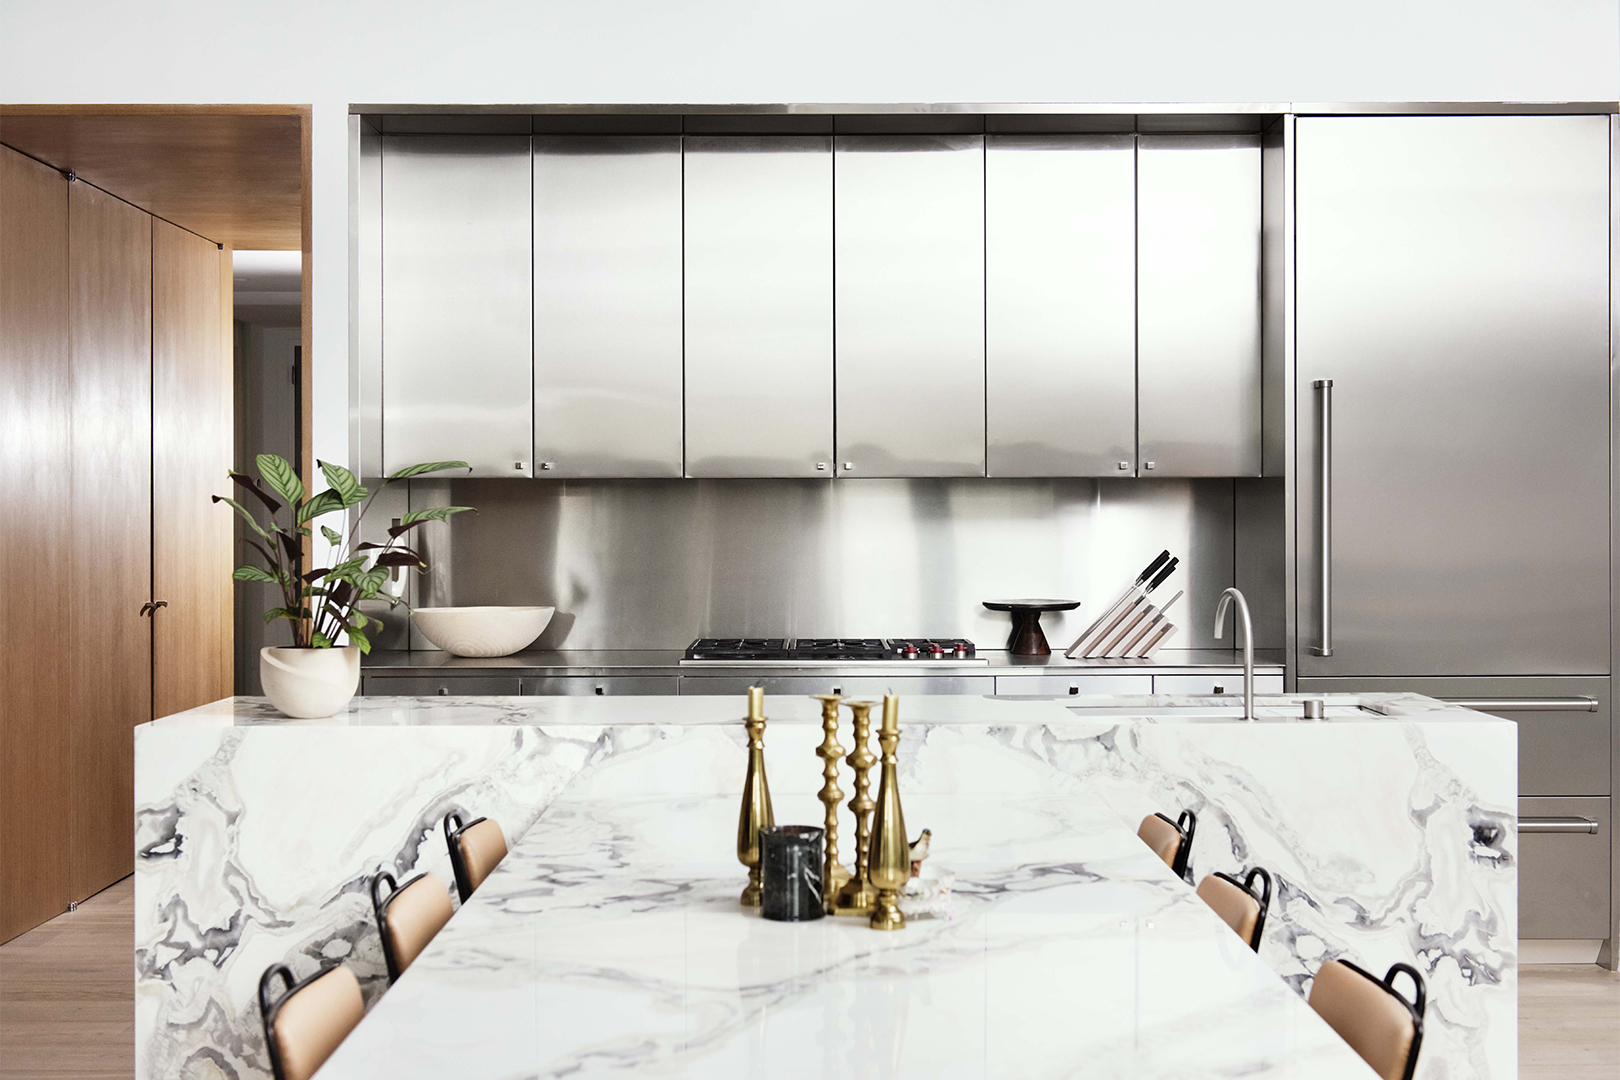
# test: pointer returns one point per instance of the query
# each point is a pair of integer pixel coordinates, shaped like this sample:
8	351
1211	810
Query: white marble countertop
794	709
611	943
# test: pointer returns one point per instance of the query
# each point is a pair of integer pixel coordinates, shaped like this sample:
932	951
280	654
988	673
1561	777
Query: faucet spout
1225	602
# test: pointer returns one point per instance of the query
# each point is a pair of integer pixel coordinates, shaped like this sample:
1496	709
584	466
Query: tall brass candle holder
857	896
889	866
834	875
756	800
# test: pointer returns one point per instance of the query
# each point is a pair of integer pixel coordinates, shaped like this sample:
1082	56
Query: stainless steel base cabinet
439	685
857	685
605	686
1564	868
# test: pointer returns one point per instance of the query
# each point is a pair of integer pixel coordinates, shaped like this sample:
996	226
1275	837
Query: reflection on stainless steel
654	564
365	298
1060	299
909	283
1227	598
759	314
607	305
1198	304
457	317
1471	414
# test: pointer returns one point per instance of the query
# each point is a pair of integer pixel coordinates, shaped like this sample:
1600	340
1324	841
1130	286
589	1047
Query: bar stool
408	917
1236	903
1170	840
306	1023
476	849
1379	1024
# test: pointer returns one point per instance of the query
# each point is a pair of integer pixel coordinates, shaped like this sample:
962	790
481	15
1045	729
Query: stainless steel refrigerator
1452	450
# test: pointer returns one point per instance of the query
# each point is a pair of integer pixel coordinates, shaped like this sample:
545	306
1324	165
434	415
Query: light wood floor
67	1004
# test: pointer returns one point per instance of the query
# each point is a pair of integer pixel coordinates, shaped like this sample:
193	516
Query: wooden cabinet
34	557
109	641
191	454
115	427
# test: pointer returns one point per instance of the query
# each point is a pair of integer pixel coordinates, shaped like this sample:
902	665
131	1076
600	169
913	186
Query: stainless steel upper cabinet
607	306
759	314
1060	333
1453	284
1198	305
457	322
909	218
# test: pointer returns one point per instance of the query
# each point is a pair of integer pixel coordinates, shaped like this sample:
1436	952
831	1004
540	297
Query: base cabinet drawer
1564	732
1071	686
1564	868
1214	684
606	686
854	686
440	686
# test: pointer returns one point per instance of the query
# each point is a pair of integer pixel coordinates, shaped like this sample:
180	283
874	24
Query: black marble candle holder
790	858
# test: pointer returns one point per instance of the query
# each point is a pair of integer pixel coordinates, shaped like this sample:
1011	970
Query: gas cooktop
830	652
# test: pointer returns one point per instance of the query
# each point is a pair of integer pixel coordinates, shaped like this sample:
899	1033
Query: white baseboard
1559	951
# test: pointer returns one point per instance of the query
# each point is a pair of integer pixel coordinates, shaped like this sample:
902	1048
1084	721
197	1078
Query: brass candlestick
857	896
834	875
756	800
889	867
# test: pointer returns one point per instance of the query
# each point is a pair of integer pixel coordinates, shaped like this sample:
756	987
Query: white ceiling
267	277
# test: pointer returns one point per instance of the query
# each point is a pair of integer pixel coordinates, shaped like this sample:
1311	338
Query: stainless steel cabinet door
909	220
1453	283
607	306
1060	296
1198	305
759	314
457	322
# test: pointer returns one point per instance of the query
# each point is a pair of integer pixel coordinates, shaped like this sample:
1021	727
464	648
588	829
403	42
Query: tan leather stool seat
409	917
1237	905
1170	840
1162	836
307	1023
476	849
1378	1023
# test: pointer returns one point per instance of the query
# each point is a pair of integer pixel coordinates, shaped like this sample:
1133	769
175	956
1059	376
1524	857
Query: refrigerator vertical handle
1324	457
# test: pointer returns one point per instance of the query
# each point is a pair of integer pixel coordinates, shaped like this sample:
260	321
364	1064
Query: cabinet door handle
1324	457
1577	825
157	604
146	609
1525	704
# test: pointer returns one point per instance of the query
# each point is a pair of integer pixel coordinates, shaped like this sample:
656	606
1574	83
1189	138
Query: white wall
330	53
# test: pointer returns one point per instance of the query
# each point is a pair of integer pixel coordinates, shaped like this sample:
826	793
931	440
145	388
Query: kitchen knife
1139	615
1131	611
1124	598
1148	626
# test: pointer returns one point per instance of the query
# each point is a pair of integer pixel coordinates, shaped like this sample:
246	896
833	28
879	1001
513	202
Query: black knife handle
1166	572
1164	557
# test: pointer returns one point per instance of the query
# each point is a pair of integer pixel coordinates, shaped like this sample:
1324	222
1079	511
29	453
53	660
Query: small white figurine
919	851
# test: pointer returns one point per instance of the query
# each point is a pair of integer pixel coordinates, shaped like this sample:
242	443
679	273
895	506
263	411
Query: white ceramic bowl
482	631
307	683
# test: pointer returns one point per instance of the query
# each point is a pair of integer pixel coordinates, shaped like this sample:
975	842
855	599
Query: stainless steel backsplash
653	564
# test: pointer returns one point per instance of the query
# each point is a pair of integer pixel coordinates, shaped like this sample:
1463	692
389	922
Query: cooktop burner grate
830	650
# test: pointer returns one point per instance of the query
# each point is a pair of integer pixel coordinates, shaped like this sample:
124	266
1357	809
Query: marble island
610	942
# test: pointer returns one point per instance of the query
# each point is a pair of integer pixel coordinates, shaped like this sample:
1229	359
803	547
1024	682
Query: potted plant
316	676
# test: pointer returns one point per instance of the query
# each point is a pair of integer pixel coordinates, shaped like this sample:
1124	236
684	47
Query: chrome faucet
1248	644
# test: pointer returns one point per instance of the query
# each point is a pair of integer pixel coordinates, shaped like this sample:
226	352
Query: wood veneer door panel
109	640
191	454
34	498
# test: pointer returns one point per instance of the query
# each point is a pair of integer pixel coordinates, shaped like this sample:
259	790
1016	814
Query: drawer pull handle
1551	704
1579	825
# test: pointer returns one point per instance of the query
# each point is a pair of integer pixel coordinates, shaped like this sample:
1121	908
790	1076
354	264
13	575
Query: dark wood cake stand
1026	638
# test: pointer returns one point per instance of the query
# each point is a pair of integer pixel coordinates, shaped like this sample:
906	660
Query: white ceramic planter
307	683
